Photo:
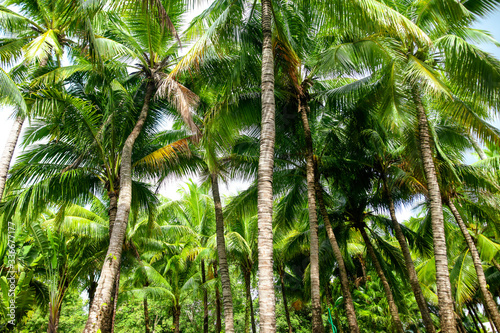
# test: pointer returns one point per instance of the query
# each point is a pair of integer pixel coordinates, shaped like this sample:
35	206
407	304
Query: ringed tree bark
380	272
317	321
489	302
344	280
102	299
410	266
227	298
8	151
267	305
445	300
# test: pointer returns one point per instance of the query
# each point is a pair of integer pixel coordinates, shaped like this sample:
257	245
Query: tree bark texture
489	302
285	303
344	280
102	298
218	321
227	298
249	300
317	322
8	152
387	288
205	298
267	304
177	318
445	300
410	267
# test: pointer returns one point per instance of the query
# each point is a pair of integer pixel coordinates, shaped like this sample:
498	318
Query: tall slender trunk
387	288
344	281
489	302
471	314
116	290
177	318
477	147
249	301
109	325
102	299
317	321
147	328
478	318
285	303
445	300
410	267
113	207
218	321
227	298
205	298
8	151
267	305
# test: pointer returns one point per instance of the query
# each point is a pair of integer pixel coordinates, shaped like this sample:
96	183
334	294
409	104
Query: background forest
331	115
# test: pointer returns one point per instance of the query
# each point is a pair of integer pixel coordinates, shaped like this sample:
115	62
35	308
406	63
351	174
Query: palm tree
149	41
267	304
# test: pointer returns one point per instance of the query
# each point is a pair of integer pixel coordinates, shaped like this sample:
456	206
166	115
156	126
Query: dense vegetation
336	113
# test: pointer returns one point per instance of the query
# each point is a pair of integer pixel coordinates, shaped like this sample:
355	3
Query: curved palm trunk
387	288
285	303
147	328
445	300
102	298
489	302
267	305
410	267
317	322
344	281
8	152
227	298
205	298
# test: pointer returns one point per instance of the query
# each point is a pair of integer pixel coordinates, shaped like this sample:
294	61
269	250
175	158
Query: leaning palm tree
150	43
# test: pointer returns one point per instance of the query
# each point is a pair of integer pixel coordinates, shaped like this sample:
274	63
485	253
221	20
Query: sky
171	187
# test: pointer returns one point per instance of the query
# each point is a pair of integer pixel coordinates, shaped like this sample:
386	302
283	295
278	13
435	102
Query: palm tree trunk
8	152
445	300
205	298
109	326
102	298
410	267
227	298
471	314
387	288
489	302
344	281
146	315
177	318
267	305
285	303
218	321
249	300
53	319
113	207
317	322
478	318
477	147
115	301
